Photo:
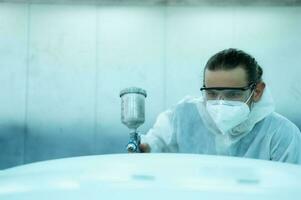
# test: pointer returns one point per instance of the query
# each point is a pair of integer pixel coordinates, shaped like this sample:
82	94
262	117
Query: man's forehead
236	77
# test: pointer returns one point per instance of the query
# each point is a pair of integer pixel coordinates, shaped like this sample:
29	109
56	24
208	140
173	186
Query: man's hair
232	58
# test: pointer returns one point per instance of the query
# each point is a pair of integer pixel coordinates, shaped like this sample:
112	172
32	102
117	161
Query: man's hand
144	148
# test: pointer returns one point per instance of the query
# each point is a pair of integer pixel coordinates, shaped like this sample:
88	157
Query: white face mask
227	114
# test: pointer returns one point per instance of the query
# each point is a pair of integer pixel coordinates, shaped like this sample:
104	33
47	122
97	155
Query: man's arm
160	138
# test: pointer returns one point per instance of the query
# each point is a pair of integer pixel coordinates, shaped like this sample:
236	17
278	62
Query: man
235	116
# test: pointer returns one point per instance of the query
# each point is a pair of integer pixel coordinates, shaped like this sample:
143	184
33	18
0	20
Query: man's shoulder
189	100
276	119
187	105
285	139
281	126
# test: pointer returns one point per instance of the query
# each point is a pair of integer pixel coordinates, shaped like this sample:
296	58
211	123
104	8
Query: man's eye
233	94
211	94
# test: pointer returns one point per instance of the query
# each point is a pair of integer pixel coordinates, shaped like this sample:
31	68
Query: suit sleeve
161	137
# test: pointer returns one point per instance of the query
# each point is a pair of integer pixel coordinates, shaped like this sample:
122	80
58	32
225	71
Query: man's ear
258	91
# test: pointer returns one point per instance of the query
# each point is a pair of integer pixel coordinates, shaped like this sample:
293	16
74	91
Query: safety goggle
228	93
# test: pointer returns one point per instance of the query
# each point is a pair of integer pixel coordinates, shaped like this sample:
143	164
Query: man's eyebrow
224	88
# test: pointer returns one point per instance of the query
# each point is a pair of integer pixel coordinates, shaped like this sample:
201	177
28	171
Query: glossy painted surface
152	176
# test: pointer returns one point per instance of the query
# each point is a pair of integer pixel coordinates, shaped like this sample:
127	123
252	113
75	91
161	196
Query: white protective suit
187	128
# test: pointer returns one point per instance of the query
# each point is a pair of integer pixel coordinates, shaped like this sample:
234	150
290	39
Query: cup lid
133	90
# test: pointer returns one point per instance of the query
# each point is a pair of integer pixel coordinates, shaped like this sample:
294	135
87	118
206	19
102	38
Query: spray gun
133	114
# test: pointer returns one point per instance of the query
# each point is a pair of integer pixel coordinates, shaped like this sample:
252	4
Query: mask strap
250	96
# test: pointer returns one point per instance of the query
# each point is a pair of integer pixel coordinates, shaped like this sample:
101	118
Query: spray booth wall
62	67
